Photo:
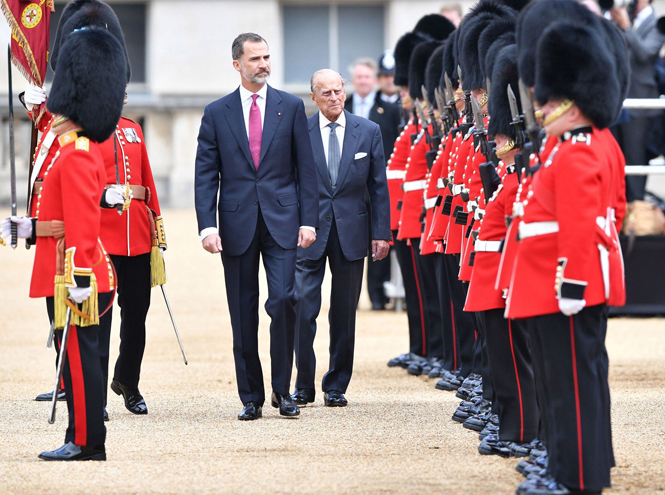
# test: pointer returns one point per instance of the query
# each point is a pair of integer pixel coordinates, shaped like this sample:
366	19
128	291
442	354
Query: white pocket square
359	156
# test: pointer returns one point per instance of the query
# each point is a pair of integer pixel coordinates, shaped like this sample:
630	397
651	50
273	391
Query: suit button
327	219
256	202
257	181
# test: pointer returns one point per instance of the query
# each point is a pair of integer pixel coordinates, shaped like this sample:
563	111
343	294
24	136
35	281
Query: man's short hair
367	62
312	81
238	46
452	7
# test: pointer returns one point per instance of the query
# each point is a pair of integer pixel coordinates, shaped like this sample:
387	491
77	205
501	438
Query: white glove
79	294
570	307
23	230
163	251
115	195
34	96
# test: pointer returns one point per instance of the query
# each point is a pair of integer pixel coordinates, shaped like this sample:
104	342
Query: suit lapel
647	24
271	120
319	153
236	121
351	136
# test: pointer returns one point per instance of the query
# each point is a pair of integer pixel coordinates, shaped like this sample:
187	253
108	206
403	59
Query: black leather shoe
71	452
490	429
48	396
133	399
333	398
477	422
303	396
404	360
106	415
519	449
552	488
250	412
285	404
491	445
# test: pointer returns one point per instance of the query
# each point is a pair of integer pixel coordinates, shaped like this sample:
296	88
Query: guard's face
330	95
407	104
254	64
563	123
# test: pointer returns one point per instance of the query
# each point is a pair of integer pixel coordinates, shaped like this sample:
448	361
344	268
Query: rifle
450	98
480	133
443	109
518	125
423	121
532	128
468	109
436	128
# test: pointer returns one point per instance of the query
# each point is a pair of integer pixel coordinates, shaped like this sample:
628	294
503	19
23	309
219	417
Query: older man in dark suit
349	156
644	43
254	153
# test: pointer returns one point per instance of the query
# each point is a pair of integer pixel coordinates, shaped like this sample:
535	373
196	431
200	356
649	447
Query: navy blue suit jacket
285	185
362	168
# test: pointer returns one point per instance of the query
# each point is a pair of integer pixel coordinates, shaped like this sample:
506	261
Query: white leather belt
414	185
440	184
538	228
457	189
395	174
487	246
430	203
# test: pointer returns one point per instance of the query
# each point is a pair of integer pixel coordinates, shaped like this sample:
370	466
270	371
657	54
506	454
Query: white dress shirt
339	132
362	106
640	18
246	101
390	99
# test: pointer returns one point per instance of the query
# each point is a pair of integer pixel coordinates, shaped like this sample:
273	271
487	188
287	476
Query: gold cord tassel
59	296
157	268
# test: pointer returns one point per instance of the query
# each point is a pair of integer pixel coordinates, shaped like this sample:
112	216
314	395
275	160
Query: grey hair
238	46
312	81
367	62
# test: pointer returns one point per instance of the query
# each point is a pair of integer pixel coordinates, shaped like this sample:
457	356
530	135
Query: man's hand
79	294
212	244
34	96
380	249
570	307
305	238
23	227
115	195
620	17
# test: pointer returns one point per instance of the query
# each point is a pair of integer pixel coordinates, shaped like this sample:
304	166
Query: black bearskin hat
533	21
573	63
89	14
450	60
433	73
616	44
70	9
517	4
500	28
504	73
89	85
418	65
499	44
430	27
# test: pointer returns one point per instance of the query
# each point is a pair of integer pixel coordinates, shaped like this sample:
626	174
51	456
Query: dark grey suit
644	43
342	240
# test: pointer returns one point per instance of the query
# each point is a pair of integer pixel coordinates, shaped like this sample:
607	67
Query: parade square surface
396	435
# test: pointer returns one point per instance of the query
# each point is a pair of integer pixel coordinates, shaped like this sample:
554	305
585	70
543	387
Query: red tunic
473	183
427	244
453	237
482	294
397	171
129	234
412	201
44	153
573	189
73	185
449	159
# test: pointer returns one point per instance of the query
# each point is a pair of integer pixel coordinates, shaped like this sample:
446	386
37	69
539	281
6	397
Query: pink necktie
255	131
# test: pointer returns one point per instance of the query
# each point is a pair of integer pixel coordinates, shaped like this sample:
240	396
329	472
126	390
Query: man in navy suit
349	156
254	165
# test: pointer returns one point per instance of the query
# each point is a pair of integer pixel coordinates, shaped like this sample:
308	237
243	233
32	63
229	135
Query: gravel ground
395	436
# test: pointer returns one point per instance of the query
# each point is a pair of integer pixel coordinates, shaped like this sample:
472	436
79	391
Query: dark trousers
632	137
378	272
450	350
133	274
83	382
481	363
465	330
575	374
241	274
426	270
406	257
103	339
512	377
346	285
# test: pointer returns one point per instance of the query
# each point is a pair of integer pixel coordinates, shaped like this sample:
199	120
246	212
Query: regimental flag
30	22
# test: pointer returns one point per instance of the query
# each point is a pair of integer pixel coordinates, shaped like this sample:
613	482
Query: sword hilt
14	242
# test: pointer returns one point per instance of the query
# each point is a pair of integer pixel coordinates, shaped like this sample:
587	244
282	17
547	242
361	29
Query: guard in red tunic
561	277
71	268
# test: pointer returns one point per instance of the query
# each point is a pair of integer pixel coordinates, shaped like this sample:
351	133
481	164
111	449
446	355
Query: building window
132	17
317	37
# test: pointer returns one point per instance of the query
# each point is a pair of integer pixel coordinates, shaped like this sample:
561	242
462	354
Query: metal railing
644	104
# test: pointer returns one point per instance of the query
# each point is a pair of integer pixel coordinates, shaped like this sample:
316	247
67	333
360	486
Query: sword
51	333
12	151
175	327
61	360
117	172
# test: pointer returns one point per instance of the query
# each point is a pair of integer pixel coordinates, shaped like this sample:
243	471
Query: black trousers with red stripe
577	398
83	382
134	300
426	271
512	376
406	258
481	360
450	348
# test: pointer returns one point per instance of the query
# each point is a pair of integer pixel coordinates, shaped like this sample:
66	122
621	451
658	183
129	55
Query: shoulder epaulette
83	143
132	121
